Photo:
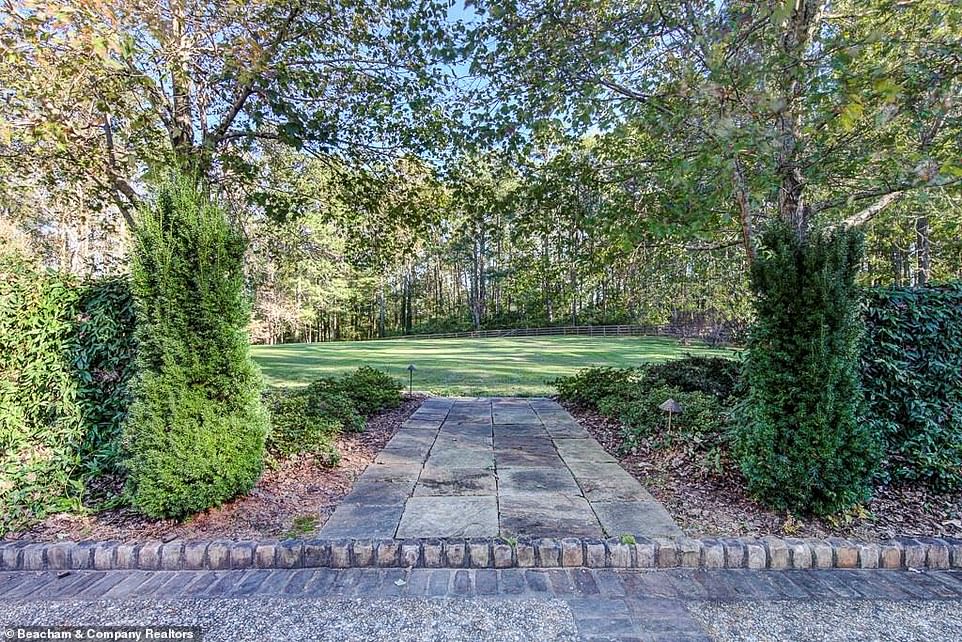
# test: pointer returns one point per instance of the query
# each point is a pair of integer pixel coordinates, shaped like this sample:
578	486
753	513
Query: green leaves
912	376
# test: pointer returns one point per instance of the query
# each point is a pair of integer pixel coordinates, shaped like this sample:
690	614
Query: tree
115	92
803	110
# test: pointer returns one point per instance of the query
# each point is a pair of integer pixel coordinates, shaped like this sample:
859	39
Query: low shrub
587	387
711	375
701	423
370	390
912	377
329	403
298	428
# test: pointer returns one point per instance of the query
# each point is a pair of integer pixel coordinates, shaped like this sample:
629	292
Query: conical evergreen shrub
798	439
196	429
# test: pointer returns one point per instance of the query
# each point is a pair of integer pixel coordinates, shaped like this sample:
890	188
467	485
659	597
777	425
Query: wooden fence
713	336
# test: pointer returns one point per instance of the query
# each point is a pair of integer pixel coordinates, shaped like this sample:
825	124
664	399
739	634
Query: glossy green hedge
65	361
912	380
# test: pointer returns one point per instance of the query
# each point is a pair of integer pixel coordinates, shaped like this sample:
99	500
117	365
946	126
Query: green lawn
502	366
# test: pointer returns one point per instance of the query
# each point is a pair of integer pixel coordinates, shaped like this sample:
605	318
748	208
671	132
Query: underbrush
705	388
307	421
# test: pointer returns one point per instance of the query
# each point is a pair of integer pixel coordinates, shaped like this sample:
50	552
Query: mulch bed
294	489
706	503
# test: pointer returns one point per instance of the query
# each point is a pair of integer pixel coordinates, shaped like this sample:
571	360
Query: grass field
501	366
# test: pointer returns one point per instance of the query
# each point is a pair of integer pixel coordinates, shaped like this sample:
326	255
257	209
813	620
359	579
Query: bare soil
709	499
293	498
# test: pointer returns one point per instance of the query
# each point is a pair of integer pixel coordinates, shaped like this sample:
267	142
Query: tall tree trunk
922	251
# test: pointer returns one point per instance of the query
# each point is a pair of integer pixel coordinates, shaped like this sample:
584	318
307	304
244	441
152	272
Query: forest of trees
405	168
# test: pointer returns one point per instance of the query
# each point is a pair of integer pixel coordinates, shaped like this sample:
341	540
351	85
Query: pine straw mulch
293	498
706	503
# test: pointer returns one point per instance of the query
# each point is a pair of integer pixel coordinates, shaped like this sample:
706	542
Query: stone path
489	604
496	467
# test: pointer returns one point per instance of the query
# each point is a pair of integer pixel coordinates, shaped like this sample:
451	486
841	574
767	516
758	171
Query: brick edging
751	553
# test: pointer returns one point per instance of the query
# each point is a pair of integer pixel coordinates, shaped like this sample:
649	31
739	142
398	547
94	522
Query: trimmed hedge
104	364
195	436
65	366
912	380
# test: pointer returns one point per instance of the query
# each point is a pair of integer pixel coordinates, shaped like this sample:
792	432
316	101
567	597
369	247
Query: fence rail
713	336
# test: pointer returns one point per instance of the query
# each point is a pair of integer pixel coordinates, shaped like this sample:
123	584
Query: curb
643	553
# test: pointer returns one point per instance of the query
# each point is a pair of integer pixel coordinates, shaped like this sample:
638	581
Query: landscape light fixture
671	407
411	370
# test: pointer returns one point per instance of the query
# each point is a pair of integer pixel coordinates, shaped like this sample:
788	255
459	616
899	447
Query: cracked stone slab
520	481
456	481
547	515
449	517
363	520
582	450
644	518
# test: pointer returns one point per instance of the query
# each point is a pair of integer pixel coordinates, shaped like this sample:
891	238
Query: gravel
338	620
856	621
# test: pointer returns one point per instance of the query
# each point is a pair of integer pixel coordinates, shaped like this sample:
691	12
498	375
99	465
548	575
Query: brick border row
765	553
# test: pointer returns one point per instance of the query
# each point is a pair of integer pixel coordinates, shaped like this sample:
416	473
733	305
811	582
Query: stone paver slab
412	439
525	480
402	456
449	517
362	520
566	431
547	515
466	431
374	491
519	457
520	430
461	456
607	482
532	444
515	417
456	481
391	472
582	450
643	518
422	424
